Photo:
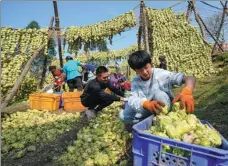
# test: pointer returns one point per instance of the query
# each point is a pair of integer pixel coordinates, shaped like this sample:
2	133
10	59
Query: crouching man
94	96
152	89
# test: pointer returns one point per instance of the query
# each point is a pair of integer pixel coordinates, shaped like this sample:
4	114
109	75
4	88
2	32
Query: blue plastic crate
147	150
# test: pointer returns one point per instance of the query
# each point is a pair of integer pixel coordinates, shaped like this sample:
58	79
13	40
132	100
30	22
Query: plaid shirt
162	80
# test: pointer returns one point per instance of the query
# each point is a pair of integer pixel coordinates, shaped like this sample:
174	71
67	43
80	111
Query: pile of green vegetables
182	44
22	131
180	126
102	143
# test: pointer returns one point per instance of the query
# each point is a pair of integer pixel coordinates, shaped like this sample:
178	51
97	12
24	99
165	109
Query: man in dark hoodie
94	95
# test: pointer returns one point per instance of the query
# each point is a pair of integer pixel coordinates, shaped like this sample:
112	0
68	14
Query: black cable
210	5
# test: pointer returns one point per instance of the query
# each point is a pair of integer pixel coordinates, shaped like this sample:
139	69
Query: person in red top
125	86
58	77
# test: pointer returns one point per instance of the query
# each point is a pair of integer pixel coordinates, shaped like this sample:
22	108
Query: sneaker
90	114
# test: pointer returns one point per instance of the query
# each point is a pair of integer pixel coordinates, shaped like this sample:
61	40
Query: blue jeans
129	115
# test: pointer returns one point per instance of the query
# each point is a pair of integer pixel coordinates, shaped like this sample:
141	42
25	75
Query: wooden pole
188	13
140	38
192	3
145	28
58	32
57	26
140	28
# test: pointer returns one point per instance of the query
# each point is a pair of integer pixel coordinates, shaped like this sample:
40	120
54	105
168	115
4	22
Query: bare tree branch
225	8
222	4
220	27
208	31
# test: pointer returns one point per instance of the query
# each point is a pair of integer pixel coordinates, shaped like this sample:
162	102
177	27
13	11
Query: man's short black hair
120	80
162	58
69	58
52	68
139	59
101	69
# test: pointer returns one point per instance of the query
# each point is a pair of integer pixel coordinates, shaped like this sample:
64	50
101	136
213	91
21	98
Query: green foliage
33	25
225	57
210	95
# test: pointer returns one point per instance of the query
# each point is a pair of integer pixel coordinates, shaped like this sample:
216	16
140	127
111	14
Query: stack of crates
71	101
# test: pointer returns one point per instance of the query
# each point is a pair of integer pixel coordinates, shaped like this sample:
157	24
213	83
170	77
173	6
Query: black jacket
95	90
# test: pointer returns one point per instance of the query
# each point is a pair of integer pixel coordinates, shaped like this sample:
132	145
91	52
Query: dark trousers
57	89
75	83
96	103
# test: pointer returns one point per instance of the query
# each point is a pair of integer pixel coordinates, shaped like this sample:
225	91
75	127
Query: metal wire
211	5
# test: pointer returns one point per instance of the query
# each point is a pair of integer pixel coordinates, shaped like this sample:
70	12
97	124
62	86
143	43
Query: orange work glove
186	100
153	106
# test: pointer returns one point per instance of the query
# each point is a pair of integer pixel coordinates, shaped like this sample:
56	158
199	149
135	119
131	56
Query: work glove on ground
153	106
186	100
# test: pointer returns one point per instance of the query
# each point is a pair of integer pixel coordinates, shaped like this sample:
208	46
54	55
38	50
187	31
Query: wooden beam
145	28
140	38
15	108
140	28
192	3
57	25
188	13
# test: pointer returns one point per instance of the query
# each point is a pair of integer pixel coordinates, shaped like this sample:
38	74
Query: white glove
123	99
